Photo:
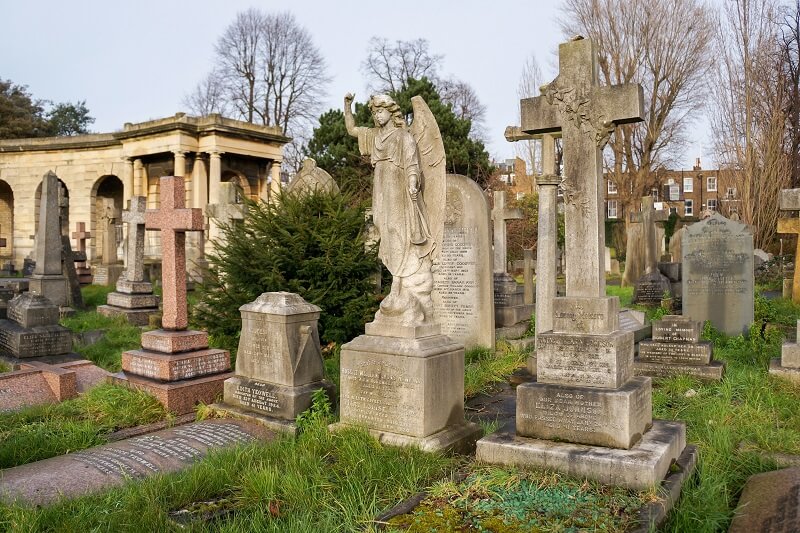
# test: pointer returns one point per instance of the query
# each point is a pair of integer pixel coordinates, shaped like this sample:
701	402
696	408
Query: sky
136	61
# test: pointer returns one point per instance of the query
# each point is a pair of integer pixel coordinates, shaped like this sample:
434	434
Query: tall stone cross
790	201
500	214
648	218
80	235
586	115
134	217
173	219
48	234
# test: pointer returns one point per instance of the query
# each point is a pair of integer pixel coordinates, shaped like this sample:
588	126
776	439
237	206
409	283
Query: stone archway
243	189
63	204
6	220
107	202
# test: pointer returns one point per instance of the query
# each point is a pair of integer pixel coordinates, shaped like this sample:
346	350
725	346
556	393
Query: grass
485	368
44	431
119	336
318	482
625	294
4	367
511	500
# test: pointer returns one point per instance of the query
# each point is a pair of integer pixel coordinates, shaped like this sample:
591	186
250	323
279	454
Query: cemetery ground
346	481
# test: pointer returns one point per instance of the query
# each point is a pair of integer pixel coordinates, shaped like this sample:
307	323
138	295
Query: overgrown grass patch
94	295
4	367
45	431
484	368
511	500
119	336
735	423
318	482
625	294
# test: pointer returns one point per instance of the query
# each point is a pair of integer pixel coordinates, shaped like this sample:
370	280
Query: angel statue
408	197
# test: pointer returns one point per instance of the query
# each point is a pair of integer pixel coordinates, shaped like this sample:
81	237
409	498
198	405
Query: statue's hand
348	99
413	192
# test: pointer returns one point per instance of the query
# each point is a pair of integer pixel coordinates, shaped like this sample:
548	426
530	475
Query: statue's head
385	101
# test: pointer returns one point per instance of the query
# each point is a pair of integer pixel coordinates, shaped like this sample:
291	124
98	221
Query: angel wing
426	134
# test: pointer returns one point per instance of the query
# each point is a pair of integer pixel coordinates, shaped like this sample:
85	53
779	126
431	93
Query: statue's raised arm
349	121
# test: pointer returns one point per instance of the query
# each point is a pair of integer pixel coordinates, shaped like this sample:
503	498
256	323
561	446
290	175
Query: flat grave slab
36	383
102	467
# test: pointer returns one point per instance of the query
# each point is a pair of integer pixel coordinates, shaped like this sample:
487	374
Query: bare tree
238	61
529	82
389	65
749	114
466	105
208	97
790	48
663	45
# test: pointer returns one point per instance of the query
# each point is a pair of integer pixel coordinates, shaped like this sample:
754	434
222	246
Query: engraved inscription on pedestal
257	396
588	360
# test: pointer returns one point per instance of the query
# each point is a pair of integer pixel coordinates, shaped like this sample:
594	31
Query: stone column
548	233
199	181
214	176
179	168
263	192
127	179
275	184
139	182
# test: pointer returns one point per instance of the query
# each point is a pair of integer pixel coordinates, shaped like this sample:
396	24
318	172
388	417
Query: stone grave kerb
500	215
134	217
80	235
48	234
586	114
173	219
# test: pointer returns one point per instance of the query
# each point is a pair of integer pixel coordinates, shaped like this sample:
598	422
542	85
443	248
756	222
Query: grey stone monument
312	178
32	328
652	286
109	270
463	300
134	298
676	349
718	274
279	362
404	380
586	414
511	314
48	279
225	212
788	365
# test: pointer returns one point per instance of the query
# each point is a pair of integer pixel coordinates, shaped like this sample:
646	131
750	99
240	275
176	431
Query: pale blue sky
135	61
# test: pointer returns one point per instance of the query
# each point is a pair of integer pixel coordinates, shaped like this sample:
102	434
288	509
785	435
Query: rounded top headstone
280	303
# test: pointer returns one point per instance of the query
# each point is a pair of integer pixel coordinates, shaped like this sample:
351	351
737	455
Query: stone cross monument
500	215
134	298
585	391
650	286
790	201
175	364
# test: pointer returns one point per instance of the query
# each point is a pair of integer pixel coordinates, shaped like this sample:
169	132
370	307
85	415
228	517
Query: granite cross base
406	391
134	300
177	367
111	465
676	349
641	467
36	383
788	366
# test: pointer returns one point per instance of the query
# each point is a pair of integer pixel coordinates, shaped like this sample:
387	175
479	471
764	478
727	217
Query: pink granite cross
80	235
173	219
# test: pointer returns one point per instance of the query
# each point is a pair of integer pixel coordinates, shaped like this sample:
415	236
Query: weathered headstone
770	503
175	364
676	349
74	297
81	235
718	274
109	270
676	243
636	322
790	201
312	178
110	465
788	365
36	383
47	278
279	361
510	310
134	298
463	298
225	212
32	328
652	286
586	414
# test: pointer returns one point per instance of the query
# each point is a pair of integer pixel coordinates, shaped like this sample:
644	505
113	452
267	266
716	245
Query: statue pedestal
406	390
